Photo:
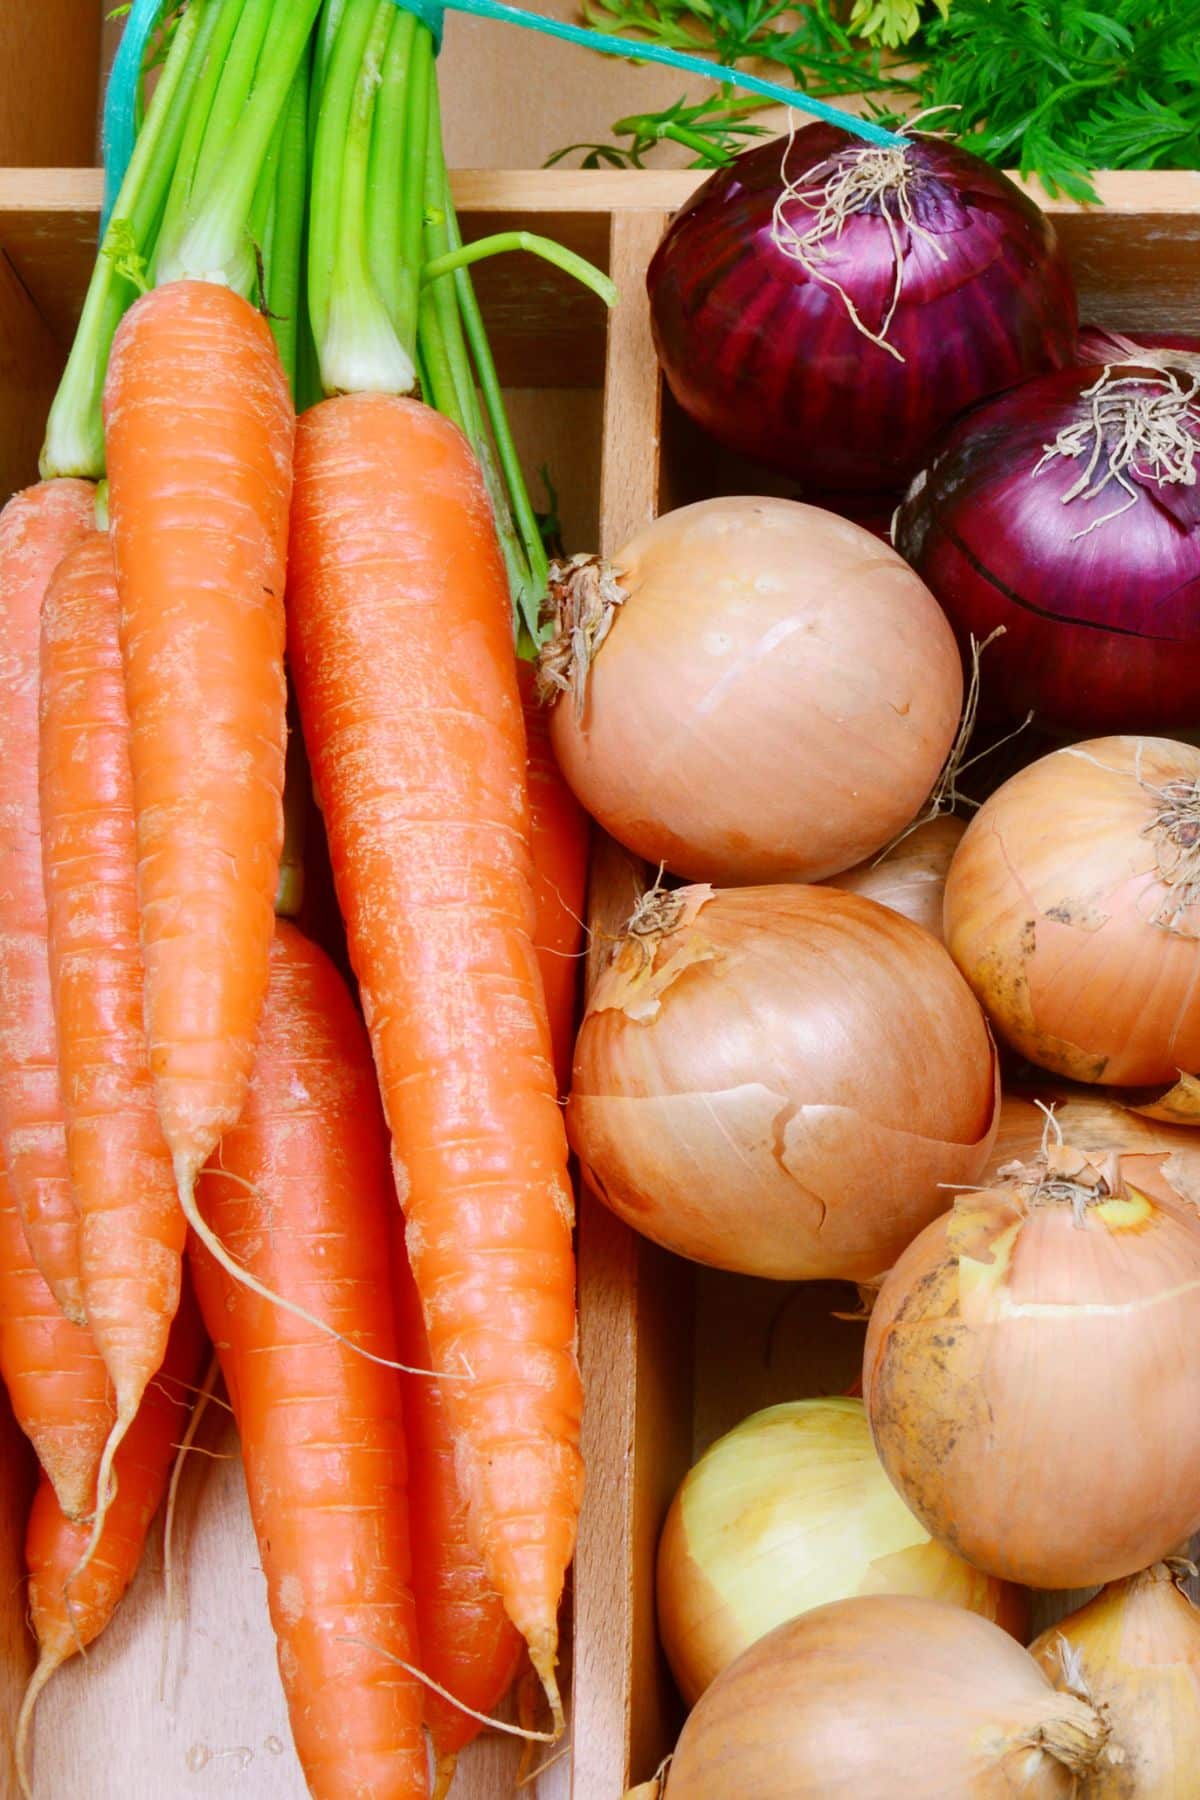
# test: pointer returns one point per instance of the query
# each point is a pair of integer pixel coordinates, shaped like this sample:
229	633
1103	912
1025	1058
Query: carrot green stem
576	266
357	343
283	253
183	178
212	242
75	428
529	591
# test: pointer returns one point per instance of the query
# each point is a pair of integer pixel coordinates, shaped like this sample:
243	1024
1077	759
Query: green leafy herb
715	129
1058	87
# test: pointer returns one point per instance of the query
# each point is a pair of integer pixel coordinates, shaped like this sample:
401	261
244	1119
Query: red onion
826	307
1098	345
1068	511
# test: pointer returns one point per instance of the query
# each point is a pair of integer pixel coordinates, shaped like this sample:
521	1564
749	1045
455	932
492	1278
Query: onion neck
1175	829
584	595
1074	1733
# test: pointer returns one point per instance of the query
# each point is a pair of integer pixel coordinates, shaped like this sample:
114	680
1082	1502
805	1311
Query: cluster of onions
782	1081
881	1696
1072	907
790	1511
754	690
910	877
1134	1652
1031	1370
1068	512
826	306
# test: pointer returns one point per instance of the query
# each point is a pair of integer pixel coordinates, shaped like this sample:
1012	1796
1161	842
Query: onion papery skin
789	1511
1101	630
1101	347
910	878
1052	912
768	360
1031	1382
782	1083
774	700
1135	1650
883	1697
1159	1159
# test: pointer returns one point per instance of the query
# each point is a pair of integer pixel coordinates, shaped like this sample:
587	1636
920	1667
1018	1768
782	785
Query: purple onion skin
1101	633
768	360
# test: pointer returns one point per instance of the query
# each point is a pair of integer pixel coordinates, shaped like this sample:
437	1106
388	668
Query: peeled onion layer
788	1511
910	877
883	1697
782	1081
1094	579
1031	1370
771	315
1135	1650
1076	917
771	693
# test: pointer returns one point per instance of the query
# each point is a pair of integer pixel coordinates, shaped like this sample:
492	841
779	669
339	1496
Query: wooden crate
672	1355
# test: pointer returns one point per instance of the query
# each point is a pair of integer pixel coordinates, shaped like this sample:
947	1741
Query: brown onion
1073	909
786	1512
1134	1652
910	878
781	1080
881	1698
755	690
1031	1371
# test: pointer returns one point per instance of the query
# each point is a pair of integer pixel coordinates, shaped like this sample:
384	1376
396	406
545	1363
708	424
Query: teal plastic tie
121	99
120	106
429	11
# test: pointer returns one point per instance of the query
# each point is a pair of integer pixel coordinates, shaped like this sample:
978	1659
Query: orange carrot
131	1228
300	1192
37	528
199	428
469	1645
559	833
400	634
54	1374
69	1610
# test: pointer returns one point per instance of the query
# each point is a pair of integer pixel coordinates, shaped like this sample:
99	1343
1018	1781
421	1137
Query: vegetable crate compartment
181	1697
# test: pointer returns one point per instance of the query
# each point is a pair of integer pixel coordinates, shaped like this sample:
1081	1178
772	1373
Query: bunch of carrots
368	1212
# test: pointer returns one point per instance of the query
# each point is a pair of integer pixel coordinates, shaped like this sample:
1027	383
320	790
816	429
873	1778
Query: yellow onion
781	1080
885	1697
1031	1371
910	878
1073	909
786	1512
1134	1652
754	690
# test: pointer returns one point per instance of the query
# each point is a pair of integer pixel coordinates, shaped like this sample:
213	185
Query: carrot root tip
443	1775
48	1663
543	1654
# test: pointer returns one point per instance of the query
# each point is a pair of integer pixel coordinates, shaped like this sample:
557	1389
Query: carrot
300	1191
400	636
559	833
37	528
131	1230
469	1645
69	1610
199	430
55	1376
